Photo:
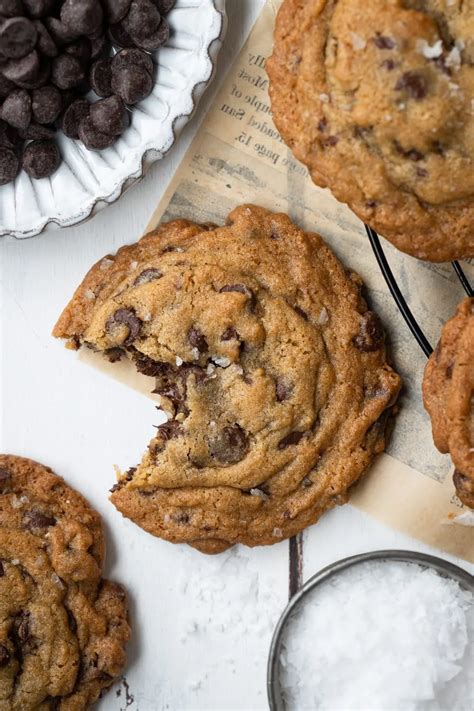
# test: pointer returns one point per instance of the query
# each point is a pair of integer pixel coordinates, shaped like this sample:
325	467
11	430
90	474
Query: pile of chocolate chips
52	53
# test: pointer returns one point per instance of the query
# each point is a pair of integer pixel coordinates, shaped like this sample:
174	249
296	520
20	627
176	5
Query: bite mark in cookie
265	358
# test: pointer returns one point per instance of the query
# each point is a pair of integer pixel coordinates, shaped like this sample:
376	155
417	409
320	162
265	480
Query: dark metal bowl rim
443	567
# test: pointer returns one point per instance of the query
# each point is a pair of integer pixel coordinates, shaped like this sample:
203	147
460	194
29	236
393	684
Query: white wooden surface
202	625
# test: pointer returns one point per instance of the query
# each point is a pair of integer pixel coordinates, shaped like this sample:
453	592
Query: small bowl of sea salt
384	631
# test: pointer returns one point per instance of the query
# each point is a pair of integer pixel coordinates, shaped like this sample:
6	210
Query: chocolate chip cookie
268	362
377	100
63	628
448	393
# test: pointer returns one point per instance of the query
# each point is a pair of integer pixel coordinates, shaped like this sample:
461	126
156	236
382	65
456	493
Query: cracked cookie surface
448	394
63	628
377	100
268	362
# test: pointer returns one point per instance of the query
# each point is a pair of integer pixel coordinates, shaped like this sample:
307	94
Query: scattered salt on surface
381	636
358	42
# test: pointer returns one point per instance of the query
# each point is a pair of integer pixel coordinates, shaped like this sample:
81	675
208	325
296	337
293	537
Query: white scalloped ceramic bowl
87	181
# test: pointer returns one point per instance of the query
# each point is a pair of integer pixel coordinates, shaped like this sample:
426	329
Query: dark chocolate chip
58	31
16	109
229	446
99	47
388	64
116	10
9	137
157	39
5	479
40	79
230	334
132	84
41	159
322	124
110	116
146	276
17	37
164	6
371	335
422	172
34	520
283	389
11	8
119	36
73	116
128	318
197	340
25	69
142	19
46	104
132	57
414	84
383	42
67	71
331	141
169	430
5	87
113	355
37	131
4	656
81	49
240	289
150	367
92	138
45	43
2	570
290	439
9	167
411	153
307	483
100	77
82	16
38	8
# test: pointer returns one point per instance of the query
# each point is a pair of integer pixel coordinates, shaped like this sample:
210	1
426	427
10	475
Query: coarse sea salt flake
323	316
430	51
106	263
179	361
221	361
453	60
277	533
324	98
380	635
358	42
258	492
89	294
133	266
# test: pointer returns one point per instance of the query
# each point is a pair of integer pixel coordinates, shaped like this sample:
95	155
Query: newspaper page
238	157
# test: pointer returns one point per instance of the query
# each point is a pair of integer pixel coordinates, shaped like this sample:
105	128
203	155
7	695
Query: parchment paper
237	156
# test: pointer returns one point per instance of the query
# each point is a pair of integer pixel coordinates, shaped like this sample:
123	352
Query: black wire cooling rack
400	300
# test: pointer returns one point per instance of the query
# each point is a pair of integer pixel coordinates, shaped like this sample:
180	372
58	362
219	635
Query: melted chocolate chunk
371	335
197	340
181	517
414	84
230	446
128	318
290	439
146	276
38	520
230	334
2	570
383	42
